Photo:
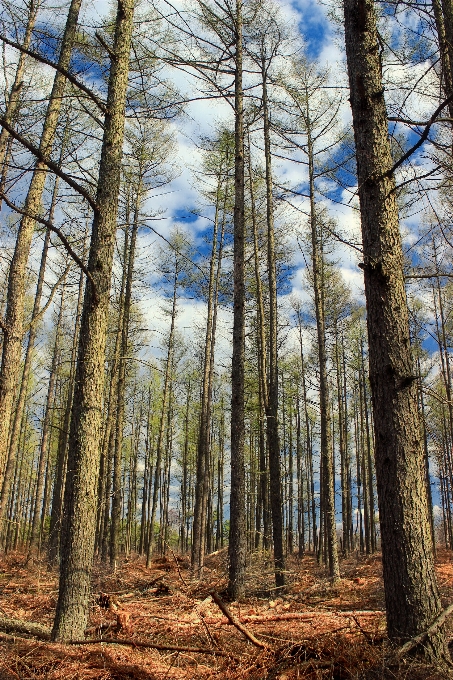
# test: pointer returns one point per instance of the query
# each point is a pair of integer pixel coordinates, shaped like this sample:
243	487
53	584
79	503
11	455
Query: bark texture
79	522
412	598
237	543
12	341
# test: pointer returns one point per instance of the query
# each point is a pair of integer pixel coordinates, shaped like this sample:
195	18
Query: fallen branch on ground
420	639
8	625
235	622
150	645
289	616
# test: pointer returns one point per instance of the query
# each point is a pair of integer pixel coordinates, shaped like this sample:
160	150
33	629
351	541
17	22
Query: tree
13	323
412	598
79	520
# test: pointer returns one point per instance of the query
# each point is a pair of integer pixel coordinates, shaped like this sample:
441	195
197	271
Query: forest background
164	426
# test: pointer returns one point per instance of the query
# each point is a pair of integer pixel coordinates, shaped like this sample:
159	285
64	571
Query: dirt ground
312	631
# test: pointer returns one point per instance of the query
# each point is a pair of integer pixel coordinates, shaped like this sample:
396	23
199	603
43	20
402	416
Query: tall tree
237	542
411	593
85	430
13	323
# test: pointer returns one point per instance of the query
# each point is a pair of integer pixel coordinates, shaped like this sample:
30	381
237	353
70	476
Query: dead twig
366	635
177	566
149	645
236	623
420	639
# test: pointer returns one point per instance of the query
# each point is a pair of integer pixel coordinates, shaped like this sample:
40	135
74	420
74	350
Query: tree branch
419	639
44	309
60	235
50	164
106	47
235	622
150	645
423	137
67	74
395	119
432	275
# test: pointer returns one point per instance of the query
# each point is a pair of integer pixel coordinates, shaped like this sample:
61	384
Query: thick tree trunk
237	543
412	597
80	503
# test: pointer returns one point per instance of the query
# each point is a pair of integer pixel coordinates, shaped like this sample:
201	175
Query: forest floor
313	631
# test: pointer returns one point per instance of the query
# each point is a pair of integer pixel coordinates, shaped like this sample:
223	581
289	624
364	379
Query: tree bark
272	405
327	453
12	340
237	542
80	503
411	593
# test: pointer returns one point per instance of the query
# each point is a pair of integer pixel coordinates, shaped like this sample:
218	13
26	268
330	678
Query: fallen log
8	625
235	622
149	645
289	616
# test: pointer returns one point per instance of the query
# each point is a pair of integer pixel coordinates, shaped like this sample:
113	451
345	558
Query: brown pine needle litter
159	624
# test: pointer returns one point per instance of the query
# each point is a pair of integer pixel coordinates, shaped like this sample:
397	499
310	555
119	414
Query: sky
177	201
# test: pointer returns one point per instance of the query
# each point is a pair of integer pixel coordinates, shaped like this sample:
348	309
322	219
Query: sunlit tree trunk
80	503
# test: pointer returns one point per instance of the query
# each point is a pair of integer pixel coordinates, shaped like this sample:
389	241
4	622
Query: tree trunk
237	543
34	534
117	495
272	406
12	107
35	317
327	454
63	439
79	522
12	340
412	597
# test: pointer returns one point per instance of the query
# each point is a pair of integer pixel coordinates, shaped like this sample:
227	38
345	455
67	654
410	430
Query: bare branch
60	235
423	137
150	645
44	309
67	74
431	275
50	164
236	623
420	639
106	47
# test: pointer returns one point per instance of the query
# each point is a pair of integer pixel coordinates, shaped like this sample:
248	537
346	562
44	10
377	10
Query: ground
313	631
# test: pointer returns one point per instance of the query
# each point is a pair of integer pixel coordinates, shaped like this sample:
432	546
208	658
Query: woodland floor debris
313	631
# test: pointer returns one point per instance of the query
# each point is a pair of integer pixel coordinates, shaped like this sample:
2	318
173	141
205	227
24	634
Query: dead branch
62	238
419	639
292	616
44	309
50	164
150	645
235	622
8	625
177	566
67	74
